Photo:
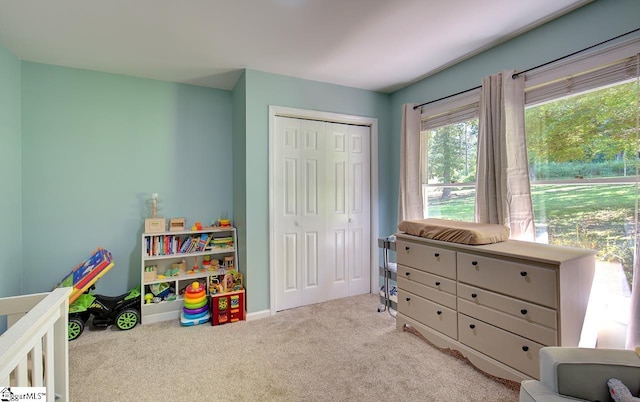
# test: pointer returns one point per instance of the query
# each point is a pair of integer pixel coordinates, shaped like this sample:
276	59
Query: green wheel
127	318
74	328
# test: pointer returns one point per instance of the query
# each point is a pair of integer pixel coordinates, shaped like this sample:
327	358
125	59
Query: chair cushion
535	391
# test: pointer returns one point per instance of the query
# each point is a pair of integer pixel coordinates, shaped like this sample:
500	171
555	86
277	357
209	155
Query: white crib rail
37	331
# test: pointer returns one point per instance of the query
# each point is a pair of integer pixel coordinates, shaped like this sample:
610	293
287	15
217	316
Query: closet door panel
288	257
311	220
358	203
337	211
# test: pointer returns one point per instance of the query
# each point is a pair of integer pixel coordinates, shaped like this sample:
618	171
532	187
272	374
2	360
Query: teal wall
262	90
95	146
586	26
239	96
10	166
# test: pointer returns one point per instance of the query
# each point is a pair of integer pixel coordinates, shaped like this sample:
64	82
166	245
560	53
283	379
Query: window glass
582	162
449	156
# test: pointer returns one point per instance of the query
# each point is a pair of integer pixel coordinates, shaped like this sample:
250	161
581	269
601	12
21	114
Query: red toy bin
227	307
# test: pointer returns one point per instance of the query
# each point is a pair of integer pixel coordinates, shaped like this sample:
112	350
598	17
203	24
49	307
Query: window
583	150
449	140
583	145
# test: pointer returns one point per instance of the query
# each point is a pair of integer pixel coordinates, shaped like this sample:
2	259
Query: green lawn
599	217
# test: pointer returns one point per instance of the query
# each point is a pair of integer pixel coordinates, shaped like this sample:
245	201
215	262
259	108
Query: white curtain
410	202
633	328
503	193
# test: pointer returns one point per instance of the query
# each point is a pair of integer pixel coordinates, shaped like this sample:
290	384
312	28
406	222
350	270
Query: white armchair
570	374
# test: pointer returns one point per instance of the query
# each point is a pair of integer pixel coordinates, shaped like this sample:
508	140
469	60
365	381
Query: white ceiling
380	45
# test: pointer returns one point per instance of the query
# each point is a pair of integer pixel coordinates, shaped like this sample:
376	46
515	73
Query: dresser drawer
513	350
536	332
427	258
425	278
528	282
433	293
433	315
515	307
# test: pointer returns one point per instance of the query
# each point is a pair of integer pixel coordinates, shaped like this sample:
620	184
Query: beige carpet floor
341	350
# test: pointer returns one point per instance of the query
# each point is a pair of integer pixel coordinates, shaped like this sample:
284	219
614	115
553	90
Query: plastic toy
232	281
87	273
123	311
215	286
224	221
160	290
195	310
227	307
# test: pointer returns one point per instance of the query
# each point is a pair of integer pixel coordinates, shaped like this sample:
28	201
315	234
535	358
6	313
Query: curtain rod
574	53
448	96
531	69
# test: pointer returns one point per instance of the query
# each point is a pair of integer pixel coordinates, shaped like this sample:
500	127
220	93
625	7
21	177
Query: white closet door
299	225
322	214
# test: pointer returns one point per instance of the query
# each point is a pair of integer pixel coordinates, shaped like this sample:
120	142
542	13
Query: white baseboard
258	315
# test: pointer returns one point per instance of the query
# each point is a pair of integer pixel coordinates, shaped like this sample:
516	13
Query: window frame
598	67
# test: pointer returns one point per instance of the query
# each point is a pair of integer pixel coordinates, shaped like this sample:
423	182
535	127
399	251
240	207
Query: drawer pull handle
437	255
474	295
472	326
407	248
474	262
523	311
437	283
407	273
523	273
438	312
525	348
408	299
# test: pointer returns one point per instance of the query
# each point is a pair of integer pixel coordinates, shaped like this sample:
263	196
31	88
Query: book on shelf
203	241
222	242
193	245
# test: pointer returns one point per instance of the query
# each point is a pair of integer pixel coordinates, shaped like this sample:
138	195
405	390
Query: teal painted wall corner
10	165
95	146
264	90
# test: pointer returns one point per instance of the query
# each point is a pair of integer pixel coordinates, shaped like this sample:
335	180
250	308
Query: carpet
340	350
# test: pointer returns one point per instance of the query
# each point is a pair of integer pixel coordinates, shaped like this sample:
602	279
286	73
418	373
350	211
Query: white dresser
497	304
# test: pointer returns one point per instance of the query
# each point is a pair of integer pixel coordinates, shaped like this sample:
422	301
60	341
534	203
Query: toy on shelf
223	221
222	242
176	268
161	290
215	286
150	273
154	224
177	224
195	310
196	226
